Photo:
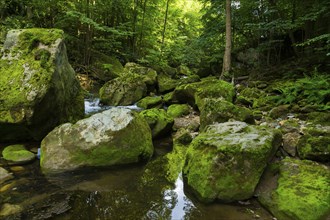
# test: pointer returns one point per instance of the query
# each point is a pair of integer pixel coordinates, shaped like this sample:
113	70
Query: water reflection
177	201
134	192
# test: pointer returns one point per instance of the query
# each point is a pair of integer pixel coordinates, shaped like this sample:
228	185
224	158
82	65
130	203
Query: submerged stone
113	137
38	87
5	175
300	190
226	161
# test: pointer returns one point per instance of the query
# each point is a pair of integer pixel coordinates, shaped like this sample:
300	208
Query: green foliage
314	90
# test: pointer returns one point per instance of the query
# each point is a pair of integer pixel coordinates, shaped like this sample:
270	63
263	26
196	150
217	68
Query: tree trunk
227	56
143	22
165	22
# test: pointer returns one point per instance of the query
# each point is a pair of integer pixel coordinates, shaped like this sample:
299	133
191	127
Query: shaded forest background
164	34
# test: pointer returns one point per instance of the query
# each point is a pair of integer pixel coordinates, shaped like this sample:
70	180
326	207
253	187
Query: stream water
139	191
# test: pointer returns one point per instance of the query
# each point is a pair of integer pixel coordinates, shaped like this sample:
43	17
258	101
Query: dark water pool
132	192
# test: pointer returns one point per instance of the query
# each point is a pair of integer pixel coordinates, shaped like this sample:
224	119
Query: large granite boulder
124	90
167	83
38	87
207	88
214	110
226	161
296	189
115	136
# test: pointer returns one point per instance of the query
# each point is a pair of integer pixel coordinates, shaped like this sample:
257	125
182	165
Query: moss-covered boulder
207	88
149	75
178	110
226	161
322	118
116	136
17	154
105	67
255	98
297	189
214	110
38	87
315	143
279	111
159	121
150	102
125	90
167	83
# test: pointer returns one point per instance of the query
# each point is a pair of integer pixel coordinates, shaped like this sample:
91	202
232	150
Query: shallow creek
132	192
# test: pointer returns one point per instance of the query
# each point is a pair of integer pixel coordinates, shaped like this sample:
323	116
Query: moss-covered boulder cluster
38	87
227	139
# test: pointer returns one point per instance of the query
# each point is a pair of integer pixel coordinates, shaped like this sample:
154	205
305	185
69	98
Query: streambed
139	191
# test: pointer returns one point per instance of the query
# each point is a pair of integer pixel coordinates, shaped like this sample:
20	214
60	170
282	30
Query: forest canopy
170	33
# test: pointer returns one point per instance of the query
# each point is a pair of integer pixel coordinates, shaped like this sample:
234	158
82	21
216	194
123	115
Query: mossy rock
226	161
178	110
159	121
166	83
315	143
182	136
105	67
168	98
150	102
214	110
279	111
322	118
255	98
113	137
17	154
207	88
38	87
125	90
149	75
300	190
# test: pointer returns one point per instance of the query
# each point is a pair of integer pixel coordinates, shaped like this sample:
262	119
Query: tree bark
226	67
165	22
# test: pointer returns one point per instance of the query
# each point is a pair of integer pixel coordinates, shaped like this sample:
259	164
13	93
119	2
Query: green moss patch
302	191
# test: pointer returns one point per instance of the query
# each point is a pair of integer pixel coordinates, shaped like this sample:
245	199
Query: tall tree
227	56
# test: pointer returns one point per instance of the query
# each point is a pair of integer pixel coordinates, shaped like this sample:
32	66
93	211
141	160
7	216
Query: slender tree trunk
143	21
165	22
227	56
